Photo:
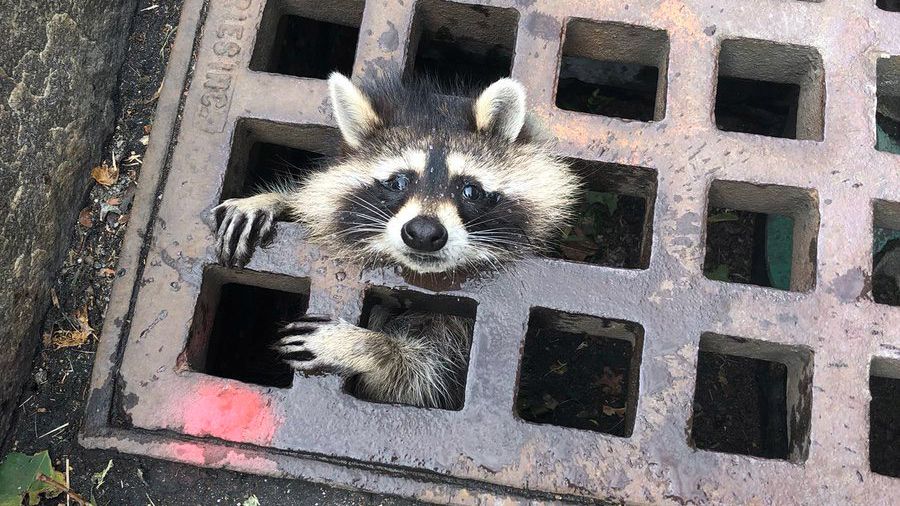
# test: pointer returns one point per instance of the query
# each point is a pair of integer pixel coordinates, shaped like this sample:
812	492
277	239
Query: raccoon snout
424	233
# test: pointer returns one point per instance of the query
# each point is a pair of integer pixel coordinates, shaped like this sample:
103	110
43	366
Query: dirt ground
50	411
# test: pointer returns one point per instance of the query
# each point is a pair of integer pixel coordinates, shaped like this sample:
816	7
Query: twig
61	427
68	483
64	489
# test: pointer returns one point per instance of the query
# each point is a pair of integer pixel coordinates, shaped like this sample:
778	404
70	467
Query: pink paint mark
191	453
230	412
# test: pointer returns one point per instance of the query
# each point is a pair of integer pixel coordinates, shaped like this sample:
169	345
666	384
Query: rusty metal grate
244	91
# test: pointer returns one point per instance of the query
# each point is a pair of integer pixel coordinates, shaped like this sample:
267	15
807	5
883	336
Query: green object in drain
779	250
884	142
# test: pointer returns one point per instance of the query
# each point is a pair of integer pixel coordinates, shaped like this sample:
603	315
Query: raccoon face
436	183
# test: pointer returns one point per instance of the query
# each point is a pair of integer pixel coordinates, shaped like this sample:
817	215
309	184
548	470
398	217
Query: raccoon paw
317	342
240	227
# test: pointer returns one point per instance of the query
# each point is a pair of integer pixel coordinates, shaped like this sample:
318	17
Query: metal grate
233	104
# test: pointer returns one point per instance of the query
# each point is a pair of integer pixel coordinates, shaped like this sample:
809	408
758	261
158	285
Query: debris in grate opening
385	309
747	247
270	164
886	271
246	324
740	406
463	45
579	372
887	113
608	88
889	5
305	47
608	230
884	430
757	107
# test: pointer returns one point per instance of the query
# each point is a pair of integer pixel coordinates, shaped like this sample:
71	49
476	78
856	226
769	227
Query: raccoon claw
240	230
311	343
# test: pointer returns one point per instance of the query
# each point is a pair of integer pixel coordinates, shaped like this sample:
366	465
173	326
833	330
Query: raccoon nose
424	233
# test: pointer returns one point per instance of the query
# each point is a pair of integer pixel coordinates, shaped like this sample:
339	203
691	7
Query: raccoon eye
397	183
472	192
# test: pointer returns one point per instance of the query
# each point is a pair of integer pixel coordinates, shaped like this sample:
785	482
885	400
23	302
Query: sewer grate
182	373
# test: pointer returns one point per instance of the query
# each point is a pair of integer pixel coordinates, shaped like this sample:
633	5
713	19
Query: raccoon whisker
354	199
369	218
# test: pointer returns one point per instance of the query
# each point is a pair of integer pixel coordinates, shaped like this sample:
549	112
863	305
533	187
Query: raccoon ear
353	111
500	109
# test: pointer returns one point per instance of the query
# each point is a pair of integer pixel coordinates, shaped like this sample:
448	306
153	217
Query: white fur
354	113
502	107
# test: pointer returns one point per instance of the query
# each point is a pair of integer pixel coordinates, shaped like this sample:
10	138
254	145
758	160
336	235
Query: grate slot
383	304
264	154
886	253
304	38
613	69
756	207
580	371
887	112
884	417
770	89
752	398
236	320
460	44
613	224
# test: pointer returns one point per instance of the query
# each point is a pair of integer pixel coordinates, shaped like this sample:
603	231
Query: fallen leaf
105	175
148	129
77	337
85	218
98	478
251	501
114	201
107	272
20	478
611	381
549	402
145	140
611	411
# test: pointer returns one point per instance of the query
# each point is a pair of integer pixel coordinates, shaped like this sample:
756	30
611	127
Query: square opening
305	38
884	417
265	154
888	5
886	253
385	309
613	69
770	89
580	371
752	398
887	112
762	235
462	45
236	321
613	224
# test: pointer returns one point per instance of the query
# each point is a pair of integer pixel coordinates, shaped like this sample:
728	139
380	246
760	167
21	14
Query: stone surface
59	63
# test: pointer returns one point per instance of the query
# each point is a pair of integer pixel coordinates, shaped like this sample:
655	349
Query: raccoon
431	182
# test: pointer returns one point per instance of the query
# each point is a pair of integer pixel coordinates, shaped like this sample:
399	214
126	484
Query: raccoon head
434	182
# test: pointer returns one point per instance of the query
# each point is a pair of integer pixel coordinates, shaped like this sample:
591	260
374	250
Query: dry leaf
105	175
107	272
148	128
114	201
549	402
77	337
559	367
611	411
145	140
611	382
85	218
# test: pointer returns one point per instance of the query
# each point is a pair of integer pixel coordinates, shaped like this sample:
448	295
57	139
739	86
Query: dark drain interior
462	45
757	107
580	371
884	419
886	253
889	5
236	322
740	406
770	89
887	112
383	305
614	70
308	44
613	224
748	247
270	164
